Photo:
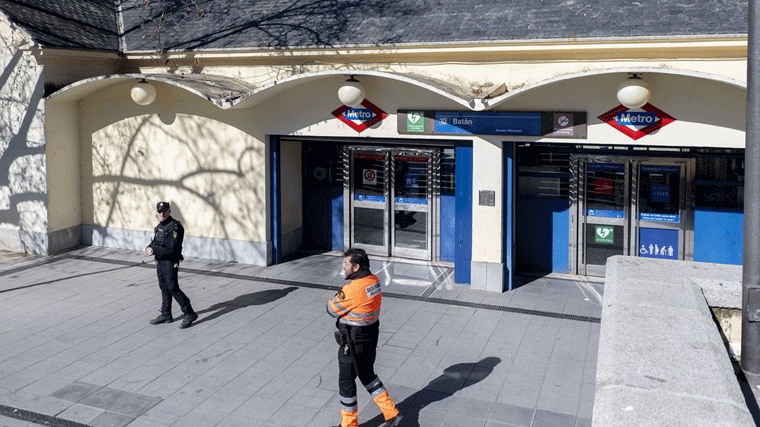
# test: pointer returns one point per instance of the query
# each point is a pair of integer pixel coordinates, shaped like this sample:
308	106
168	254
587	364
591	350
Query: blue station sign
658	243
518	123
487	123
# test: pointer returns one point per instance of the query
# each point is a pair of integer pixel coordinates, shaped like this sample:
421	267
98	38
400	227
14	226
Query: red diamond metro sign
637	124
360	118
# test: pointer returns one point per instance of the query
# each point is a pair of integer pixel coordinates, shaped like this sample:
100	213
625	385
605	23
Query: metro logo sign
636	118
360	118
637	124
361	114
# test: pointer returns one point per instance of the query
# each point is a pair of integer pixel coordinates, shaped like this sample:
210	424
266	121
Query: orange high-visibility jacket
358	303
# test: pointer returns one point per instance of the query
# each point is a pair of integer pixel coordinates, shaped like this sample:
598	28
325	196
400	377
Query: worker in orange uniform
357	309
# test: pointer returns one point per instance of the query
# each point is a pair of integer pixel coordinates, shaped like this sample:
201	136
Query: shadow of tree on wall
201	166
195	24
23	182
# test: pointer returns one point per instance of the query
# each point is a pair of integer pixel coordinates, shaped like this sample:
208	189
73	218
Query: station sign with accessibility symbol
658	243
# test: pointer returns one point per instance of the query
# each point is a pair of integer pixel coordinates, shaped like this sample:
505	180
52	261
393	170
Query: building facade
489	139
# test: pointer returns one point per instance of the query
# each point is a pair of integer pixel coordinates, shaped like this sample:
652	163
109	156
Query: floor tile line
433	300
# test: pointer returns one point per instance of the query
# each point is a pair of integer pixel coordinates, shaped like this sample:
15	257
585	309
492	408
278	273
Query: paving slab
76	346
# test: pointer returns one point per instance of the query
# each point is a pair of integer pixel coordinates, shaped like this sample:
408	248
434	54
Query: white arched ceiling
226	92
491	103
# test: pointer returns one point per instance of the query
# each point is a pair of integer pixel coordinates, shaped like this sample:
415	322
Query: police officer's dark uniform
166	246
357	309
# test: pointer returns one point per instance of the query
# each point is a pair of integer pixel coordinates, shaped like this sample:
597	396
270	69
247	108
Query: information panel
517	123
488	123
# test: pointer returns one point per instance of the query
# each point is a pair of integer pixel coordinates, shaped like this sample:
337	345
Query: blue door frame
463	203
508	215
274	196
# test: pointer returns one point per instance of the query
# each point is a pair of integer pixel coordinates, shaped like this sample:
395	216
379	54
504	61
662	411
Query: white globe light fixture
351	93
633	92
143	93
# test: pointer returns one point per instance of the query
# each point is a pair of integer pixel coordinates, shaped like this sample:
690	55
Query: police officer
166	246
357	309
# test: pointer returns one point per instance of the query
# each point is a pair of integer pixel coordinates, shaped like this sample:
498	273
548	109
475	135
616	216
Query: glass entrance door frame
649	205
383	218
638	214
366	196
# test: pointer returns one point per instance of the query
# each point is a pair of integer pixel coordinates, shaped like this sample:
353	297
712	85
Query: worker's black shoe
162	318
188	320
393	422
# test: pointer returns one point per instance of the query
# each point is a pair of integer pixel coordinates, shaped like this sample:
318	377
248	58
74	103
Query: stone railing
662	361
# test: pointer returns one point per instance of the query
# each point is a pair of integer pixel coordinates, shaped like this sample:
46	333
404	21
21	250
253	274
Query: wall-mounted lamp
351	93
633	92
143	93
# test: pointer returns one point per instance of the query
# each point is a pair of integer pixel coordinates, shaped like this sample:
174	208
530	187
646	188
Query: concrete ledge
661	358
25	242
21	241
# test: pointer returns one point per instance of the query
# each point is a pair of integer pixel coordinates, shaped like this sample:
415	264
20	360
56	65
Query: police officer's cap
162	206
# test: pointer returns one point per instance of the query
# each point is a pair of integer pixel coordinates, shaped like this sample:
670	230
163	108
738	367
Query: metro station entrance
628	206
391	201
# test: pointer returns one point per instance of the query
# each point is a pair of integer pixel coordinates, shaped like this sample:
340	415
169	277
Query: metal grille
542	173
37	418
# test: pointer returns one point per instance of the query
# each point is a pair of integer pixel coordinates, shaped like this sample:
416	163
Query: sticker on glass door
658	243
604	235
369	177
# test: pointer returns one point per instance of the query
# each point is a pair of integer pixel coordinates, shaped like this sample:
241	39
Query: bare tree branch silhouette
196	24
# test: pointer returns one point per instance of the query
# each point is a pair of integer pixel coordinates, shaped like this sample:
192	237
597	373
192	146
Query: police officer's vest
167	240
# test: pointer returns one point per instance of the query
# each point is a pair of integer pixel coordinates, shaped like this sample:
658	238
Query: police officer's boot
190	317
162	318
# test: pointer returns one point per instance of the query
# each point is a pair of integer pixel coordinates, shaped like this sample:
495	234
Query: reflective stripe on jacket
358	303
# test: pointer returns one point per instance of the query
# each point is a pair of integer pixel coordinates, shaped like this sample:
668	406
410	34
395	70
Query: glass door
390	203
412	194
604	216
661	217
630	206
369	202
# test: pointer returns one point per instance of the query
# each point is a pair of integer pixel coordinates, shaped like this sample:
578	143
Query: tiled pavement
76	348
